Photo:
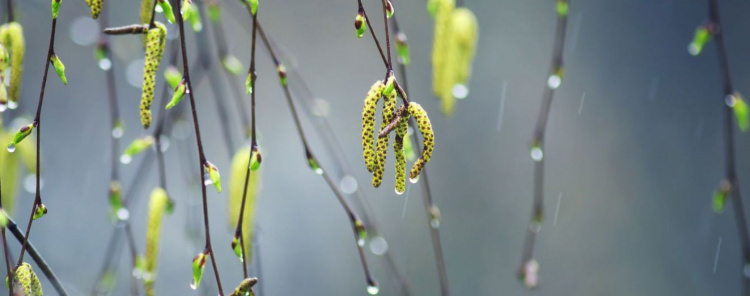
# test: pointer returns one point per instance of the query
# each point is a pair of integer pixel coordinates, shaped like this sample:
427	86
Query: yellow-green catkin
389	107
96	7
147	8
442	40
157	207
368	123
245	287
3	65
11	36
425	127
236	186
25	281
154	51
398	150
465	36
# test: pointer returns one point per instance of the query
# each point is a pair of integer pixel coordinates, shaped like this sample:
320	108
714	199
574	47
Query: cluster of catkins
375	155
96	7
456	34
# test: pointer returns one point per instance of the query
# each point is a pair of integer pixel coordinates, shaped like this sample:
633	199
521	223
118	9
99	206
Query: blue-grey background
633	164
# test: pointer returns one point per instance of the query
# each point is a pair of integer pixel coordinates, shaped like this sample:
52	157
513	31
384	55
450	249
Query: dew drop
460	91
123	214
378	245
348	185
12	104
693	49
373	289
105	64
435	223
414	180
207	180
554	81
3	107
84	31
159	9
537	154
117	132
730	100
535	226
125	159
321	107
361	242
193	285
318	171
399	192
11	147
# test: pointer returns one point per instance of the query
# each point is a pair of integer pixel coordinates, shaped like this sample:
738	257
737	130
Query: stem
427	196
40	262
201	155
387	35
5	242
538	141
37	123
372	32
10	10
731	169
352	216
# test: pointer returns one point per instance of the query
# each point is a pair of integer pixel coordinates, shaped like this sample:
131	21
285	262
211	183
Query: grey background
635	169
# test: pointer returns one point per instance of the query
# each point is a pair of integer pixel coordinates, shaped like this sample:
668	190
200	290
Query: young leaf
59	68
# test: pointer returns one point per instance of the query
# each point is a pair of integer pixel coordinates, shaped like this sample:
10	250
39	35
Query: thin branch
199	142
538	138
310	157
427	193
372	32
731	169
5	242
40	262
9	7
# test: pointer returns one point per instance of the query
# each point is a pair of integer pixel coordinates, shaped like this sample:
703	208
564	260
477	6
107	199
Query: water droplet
12	104
537	154
321	107
164	143
693	49
123	214
348	185
193	285
378	245
3	107
125	159
535	226
530	274
435	223
84	31
360	241
134	73
414	180
158	9
373	289
318	171
554	81
460	91
399	192
105	64
117	132
11	147
207	180
730	100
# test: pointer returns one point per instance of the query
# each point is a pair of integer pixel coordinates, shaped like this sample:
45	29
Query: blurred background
634	150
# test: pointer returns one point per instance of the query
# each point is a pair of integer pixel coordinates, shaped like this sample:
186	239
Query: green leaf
741	113
360	24
232	64
700	39
167	8
255	159
55	8
213	174
562	8
138	145
21	134
199	263
237	246
59	68
719	201
40	211
179	92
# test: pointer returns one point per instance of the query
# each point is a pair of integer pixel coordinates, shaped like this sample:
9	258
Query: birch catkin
25	281
11	35
444	9
147	8
154	50
389	107
96	7
236	189
465	34
157	207
425	127
368	123
398	150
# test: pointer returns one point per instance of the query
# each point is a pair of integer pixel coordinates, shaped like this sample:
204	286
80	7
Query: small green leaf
719	201
21	134
281	70
359	226
700	39
3	218
313	163
253	6
59	68
389	9
115	198
232	64
237	246
255	159
186	9
55	8
360	24
167	8
199	263
213	174
173	76
390	85
741	113
137	146
402	47
195	19
40	211
214	12
179	92
562	8
249	83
